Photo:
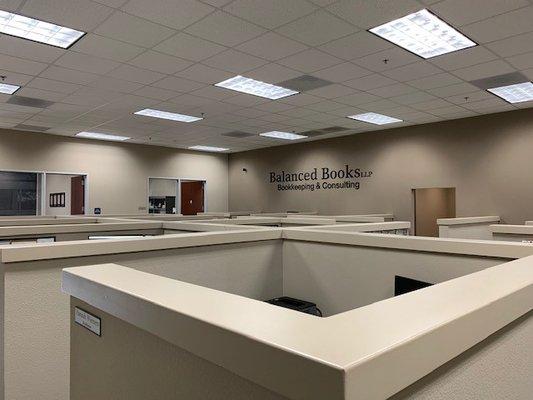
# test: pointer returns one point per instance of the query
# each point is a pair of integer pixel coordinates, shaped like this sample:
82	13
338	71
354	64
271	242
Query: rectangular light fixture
256	88
6	88
374	118
517	93
102	136
423	34
38	31
282	135
149	112
208	148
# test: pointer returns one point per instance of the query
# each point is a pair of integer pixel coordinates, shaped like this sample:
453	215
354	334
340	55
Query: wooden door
430	205
192	197
77	195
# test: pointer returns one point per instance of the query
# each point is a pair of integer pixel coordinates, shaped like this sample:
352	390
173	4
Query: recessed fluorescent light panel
282	135
517	93
256	88
208	148
6	88
148	112
374	118
424	34
102	136
38	31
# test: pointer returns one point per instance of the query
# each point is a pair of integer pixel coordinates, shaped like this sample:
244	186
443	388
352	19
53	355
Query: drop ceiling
167	55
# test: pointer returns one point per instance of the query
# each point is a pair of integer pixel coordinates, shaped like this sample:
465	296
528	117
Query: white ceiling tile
412	71
355	46
274	106
435	81
204	74
395	89
52	85
273	73
324	106
174	14
332	91
112	3
529	73
310	61
323	3
11	5
156	93
131	29
178	84
368	14
86	63
115	85
317	28
40	94
463	58
68	75
134	74
270	13
271	46
370	82
160	62
452	90
245	100
484	70
77	14
413	98
234	61
301	99
522	61
16	78
431	105
513	45
379	105
487	103
501	26
357	98
225	29
445	111
342	72
104	47
217	3
213	92
189	47
474	96
459	12
387	59
28	49
20	65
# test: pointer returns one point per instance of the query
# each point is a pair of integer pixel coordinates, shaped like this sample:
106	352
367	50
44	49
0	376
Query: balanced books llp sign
320	179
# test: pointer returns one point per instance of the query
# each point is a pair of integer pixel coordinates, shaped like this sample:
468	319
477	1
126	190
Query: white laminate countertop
358	354
468	220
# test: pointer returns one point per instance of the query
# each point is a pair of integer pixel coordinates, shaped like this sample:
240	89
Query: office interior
266	200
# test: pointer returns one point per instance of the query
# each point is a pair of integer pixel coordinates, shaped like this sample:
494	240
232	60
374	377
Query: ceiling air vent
237	134
33	128
500	80
29	102
304	83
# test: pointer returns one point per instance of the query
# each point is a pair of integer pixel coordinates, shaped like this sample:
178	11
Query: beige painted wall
56	183
118	172
486	158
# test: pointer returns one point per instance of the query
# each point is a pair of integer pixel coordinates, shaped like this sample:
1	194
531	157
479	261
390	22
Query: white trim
178	190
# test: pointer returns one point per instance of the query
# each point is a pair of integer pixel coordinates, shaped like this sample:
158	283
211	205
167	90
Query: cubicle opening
431	204
65	194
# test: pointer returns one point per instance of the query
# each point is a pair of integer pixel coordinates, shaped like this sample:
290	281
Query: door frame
178	190
413	201
41	188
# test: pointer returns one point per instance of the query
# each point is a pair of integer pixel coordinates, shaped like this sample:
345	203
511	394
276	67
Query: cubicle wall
467	227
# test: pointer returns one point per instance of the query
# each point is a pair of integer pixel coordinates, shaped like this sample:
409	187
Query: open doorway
431	204
65	193
192	197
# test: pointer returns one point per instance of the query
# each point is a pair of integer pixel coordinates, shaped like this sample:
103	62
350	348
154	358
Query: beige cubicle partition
370	345
512	233
467	227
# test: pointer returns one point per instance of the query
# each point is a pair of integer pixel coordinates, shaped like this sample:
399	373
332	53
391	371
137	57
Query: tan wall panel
485	158
118	172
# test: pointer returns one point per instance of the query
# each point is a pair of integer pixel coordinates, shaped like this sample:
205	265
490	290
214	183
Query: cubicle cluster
134	303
